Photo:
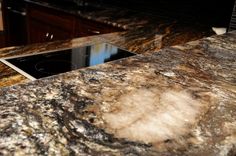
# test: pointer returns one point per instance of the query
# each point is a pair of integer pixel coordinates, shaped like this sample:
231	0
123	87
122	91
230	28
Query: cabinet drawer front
53	17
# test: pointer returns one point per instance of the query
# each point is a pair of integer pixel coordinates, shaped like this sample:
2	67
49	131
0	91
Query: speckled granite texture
178	101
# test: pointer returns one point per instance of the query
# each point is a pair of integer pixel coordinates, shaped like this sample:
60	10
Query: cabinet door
46	24
43	32
14	20
38	32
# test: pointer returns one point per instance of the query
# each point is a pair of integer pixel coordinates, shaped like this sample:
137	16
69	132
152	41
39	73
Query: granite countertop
168	100
177	101
143	33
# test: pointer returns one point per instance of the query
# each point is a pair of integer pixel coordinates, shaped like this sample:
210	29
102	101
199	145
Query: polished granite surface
140	40
8	76
143	41
143	33
180	100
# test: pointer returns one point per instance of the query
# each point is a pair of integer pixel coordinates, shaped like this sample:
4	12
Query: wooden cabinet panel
52	17
14	20
38	31
46	25
42	32
36	23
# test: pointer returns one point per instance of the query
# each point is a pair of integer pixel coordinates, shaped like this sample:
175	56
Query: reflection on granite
141	40
49	46
144	33
178	101
8	76
7	79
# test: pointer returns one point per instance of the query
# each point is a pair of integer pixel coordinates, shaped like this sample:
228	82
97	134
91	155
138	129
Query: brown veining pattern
139	41
142	32
177	101
9	76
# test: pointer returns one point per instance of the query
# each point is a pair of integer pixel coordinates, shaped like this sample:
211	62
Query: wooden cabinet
44	24
14	20
49	25
38	32
27	23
